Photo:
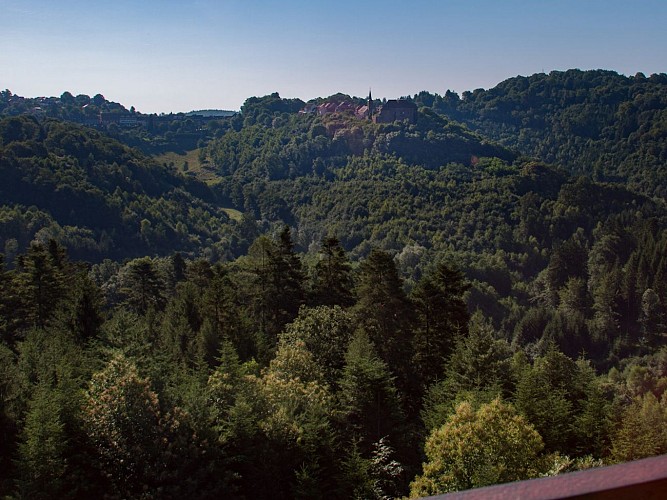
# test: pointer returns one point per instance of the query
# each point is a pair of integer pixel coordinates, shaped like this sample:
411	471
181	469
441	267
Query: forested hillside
523	231
400	309
596	123
100	198
151	133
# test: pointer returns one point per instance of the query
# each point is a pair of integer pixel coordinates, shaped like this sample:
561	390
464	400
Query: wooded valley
319	306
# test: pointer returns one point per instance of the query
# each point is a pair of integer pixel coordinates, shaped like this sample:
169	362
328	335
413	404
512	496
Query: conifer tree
279	284
43	446
591	425
605	322
370	404
40	284
479	368
288	279
143	287
333	284
5	301
650	319
546	405
563	400
83	312
385	313
178	267
236	405
10	409
642	431
224	387
199	272
224	312
262	294
442	319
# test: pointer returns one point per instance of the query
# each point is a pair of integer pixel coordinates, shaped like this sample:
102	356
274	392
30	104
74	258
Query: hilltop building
391	111
396	110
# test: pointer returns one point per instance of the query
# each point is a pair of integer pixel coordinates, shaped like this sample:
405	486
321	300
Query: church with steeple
390	111
370	105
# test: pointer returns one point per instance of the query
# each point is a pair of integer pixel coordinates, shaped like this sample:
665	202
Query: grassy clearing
178	160
189	164
233	214
195	167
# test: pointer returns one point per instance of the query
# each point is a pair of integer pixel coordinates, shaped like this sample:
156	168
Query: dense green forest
100	198
150	133
596	123
327	307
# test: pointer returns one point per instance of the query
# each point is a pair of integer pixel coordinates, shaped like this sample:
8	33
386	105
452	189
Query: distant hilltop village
388	112
98	112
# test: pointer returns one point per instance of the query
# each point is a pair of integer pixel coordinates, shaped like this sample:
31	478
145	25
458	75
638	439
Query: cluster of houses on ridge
387	112
390	111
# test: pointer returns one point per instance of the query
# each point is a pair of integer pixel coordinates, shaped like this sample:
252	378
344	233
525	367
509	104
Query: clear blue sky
169	55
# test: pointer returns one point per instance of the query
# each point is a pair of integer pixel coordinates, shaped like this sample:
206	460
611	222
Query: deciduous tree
477	448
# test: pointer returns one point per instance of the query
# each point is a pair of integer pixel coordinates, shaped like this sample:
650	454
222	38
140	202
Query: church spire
370	105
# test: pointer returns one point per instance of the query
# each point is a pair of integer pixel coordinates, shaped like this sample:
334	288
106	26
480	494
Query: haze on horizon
169	55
